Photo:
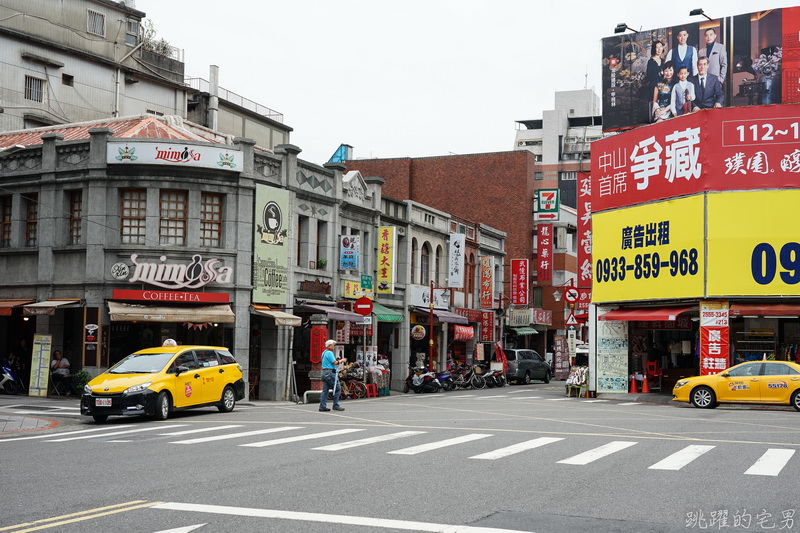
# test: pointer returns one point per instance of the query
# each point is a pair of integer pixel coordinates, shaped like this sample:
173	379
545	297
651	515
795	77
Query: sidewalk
651	397
14	423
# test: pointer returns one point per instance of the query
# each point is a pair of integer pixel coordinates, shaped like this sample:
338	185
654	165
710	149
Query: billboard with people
654	75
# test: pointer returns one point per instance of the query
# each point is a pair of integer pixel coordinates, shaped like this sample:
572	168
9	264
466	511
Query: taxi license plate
102	402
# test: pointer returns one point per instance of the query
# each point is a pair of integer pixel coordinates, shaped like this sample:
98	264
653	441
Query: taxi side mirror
180	370
725	375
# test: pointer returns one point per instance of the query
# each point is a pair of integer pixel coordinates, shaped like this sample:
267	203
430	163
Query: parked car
762	382
525	365
157	381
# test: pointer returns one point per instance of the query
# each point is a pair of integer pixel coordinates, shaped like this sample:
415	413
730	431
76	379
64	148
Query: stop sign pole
363	307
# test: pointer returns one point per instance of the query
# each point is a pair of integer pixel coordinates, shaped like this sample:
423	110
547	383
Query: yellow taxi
763	382
157	381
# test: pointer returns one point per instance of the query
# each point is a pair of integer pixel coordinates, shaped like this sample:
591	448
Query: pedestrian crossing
574	451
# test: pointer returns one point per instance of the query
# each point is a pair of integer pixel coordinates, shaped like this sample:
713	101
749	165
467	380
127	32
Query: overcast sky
413	78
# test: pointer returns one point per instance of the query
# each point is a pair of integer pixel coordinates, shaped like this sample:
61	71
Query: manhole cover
36	407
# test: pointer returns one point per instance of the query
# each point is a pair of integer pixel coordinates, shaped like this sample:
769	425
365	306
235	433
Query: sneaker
338	408
324	409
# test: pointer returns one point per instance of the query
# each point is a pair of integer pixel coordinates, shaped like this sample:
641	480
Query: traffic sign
571	320
546	216
571	295
363	306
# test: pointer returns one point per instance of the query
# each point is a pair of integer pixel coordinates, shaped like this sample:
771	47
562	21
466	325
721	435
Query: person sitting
60	372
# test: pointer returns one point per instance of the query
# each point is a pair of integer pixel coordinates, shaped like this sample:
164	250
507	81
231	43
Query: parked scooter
446	380
419	380
9	382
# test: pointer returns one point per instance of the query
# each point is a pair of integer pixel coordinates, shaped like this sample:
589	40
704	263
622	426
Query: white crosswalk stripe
681	458
114	433
629	403
598	453
594	401
440	444
201	430
771	463
235	435
370	440
47	436
301	437
558	399
526	398
517	448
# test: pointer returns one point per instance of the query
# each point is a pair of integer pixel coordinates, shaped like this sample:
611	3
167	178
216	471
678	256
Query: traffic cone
645	386
633	389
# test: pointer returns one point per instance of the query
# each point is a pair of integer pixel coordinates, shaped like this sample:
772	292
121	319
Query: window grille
5	221
75	216
210	220
132	219
172	229
31	218
95	23
34	89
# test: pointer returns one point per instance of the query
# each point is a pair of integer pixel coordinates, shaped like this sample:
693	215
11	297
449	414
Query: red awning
646	313
7	305
765	309
463	333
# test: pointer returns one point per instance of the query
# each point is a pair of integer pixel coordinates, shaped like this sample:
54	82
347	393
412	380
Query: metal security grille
172	229
34	89
75	216
95	23
132	219
31	219
5	221
210	220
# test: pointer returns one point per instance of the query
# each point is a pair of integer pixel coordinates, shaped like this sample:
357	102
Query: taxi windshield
142	363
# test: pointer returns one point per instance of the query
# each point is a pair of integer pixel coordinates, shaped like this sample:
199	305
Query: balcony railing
203	85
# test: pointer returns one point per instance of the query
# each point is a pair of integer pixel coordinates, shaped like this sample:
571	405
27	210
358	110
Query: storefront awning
444	316
48	307
384	314
335	313
646	313
282	318
525	331
765	309
122	312
463	333
7	305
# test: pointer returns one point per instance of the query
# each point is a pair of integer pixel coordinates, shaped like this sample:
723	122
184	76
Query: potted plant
322	263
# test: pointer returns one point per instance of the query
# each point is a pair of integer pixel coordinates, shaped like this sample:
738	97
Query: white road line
526	398
43	414
496	396
558	399
681	458
771	463
371	440
517	448
301	437
201	430
440	444
113	433
594	401
597	453
368	522
50	435
460	396
235	435
516	391
629	403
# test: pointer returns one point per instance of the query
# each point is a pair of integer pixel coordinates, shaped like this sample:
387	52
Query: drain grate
36	407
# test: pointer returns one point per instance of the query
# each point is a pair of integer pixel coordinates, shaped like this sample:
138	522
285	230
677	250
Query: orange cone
633	389
645	386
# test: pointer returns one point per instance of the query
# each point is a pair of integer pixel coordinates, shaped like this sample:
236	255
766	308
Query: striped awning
384	314
524	331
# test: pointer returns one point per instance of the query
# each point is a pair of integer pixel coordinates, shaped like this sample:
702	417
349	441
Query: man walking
329	370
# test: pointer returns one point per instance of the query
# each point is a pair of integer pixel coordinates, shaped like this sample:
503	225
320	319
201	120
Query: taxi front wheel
796	399
704	398
228	401
163	406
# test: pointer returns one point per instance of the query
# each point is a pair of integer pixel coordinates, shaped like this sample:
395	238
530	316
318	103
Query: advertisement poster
560	358
487	282
40	365
544	255
612	356
584	231
743	55
350	252
519	281
387	242
714	337
455	271
271	246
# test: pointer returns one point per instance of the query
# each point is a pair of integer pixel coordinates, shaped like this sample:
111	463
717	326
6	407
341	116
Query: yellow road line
80	516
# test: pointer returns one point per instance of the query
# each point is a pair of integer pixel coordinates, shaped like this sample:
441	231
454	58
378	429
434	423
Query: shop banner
561	362
544	255
487	326
455	276
719	150
714	337
342	332
649	252
753	244
354	289
487	282
350	252
584	299
176	155
271	246
421	297
744	55
543	317
387	242
584	231
519	318
519	281
473	315
612	355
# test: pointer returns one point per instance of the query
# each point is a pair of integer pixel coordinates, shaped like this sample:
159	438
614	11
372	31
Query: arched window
437	266
425	265
414	249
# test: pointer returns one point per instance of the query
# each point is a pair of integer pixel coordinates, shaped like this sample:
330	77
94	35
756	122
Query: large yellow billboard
651	251
754	243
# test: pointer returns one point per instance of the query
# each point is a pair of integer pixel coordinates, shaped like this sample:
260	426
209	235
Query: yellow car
767	382
157	381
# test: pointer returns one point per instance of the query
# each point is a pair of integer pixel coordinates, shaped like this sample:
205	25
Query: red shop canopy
463	333
7	305
765	309
646	313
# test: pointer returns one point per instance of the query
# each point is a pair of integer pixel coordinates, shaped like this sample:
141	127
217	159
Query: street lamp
621	27
699	11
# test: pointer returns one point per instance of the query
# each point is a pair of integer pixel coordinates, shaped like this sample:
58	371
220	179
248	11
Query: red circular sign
363	306
571	295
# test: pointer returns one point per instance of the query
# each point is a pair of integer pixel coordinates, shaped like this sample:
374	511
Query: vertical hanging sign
455	276
584	231
271	246
544	255
350	252
487	326
387	238
519	281
714	337
487	282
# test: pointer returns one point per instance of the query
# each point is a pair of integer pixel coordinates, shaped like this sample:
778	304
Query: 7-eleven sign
547	204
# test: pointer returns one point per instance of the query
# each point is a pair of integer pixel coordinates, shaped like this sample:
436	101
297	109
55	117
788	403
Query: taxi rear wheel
796	399
228	401
704	398
163	406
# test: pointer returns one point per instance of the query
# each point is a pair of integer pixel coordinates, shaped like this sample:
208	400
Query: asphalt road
520	458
